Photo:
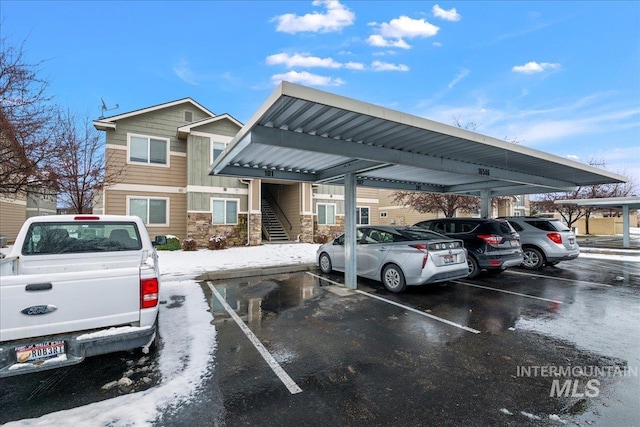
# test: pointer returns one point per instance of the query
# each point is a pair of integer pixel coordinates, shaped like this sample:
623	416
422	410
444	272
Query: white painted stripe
556	278
277	369
507	292
430	316
422	313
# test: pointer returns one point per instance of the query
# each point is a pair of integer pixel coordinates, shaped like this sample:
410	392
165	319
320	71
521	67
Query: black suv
492	244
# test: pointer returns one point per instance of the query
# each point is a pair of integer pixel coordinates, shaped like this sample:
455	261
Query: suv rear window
548	225
48	238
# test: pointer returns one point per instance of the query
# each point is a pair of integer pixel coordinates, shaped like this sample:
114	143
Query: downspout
249	199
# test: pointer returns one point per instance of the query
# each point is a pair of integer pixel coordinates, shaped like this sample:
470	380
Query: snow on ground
197	262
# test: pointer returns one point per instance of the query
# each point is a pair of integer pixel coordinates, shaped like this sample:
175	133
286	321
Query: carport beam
625	227
350	268
485	202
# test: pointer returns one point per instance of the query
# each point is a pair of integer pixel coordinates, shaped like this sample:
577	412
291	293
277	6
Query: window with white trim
148	150
362	215
326	213
224	211
216	149
153	211
383	214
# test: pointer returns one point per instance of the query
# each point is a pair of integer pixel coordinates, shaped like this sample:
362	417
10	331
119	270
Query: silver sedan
399	256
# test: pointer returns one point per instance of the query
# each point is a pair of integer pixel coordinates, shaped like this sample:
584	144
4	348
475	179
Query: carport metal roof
306	135
303	134
624	203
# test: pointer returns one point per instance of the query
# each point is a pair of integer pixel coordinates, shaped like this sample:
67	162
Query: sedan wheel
325	263
393	279
474	267
533	259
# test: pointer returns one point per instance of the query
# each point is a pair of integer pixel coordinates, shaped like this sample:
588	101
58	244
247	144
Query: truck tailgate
34	305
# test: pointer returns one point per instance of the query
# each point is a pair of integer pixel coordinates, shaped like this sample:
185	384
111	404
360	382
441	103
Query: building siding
13	213
117	203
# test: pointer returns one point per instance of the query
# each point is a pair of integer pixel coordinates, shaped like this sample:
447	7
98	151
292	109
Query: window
326	214
362	216
145	149
224	211
152	211
216	149
383	214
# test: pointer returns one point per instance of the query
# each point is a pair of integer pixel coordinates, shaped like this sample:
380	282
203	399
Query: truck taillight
423	248
491	239
555	237
86	218
148	292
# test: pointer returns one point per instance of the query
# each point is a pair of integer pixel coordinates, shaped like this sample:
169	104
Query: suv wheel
533	259
474	267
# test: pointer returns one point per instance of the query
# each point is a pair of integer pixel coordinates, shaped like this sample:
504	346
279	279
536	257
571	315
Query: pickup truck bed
76	286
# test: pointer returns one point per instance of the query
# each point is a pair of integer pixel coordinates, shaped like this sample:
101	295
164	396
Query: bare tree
26	144
80	171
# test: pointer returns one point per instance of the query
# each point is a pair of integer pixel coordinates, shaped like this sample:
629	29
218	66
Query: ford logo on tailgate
36	310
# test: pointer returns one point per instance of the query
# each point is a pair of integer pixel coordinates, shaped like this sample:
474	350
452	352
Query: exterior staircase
272	228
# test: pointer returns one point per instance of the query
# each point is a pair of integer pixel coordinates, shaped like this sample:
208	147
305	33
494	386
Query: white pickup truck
74	286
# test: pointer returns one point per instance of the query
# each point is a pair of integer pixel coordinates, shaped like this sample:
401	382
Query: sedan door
372	250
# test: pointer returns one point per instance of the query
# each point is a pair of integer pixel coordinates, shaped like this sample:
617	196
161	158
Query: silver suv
545	241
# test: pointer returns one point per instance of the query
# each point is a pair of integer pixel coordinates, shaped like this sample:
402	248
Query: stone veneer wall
255	229
306	228
200	229
329	231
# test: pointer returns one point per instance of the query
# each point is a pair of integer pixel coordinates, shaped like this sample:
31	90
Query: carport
624	203
306	135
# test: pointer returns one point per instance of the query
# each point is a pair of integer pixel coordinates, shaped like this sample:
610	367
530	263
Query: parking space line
430	316
507	292
277	369
557	278
422	313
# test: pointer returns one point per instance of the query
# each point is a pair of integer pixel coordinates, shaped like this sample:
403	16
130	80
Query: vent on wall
188	116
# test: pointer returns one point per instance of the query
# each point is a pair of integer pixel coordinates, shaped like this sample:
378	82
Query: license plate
448	259
40	351
515	243
572	241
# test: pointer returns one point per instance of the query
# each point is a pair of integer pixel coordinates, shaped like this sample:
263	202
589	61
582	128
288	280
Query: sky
561	77
188	330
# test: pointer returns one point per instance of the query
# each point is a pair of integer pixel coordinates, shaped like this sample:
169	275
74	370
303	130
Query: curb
253	272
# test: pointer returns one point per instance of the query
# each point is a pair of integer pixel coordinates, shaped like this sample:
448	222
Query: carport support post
625	226
485	203
350	275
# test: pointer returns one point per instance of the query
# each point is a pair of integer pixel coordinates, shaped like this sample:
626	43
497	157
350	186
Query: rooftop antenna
104	107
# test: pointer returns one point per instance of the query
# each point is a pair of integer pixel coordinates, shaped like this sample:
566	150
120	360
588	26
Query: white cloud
393	33
302	60
379	41
354	66
385	66
437	44
535	67
461	75
448	15
306	78
184	72
336	17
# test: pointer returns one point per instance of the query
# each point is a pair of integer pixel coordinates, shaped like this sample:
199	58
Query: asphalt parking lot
552	347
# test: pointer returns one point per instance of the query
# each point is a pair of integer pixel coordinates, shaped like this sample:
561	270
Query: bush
217	241
189	244
322	239
173	244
